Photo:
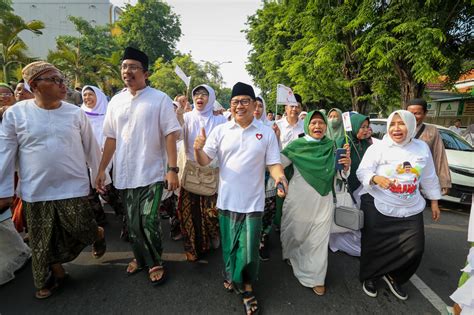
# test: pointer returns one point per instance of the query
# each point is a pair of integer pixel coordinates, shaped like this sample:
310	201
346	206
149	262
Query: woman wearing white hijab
198	214
392	173
95	106
260	112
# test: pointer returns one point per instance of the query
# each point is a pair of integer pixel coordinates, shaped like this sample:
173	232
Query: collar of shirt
234	124
286	123
138	93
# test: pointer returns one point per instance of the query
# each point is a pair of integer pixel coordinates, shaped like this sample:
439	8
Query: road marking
429	294
110	258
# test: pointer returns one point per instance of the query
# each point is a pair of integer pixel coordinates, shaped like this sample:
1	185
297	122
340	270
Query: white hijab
197	119
410	122
264	118
96	115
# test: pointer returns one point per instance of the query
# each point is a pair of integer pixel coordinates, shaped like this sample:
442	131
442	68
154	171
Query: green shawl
313	159
358	148
335	129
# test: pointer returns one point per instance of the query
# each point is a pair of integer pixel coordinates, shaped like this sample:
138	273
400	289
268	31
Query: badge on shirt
259	136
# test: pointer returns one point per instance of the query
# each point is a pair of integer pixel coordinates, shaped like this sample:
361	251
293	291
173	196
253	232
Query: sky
212	32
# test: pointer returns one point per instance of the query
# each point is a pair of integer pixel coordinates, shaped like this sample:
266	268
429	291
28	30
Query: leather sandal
319	290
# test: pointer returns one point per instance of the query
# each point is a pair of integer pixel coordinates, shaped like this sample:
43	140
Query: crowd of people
224	178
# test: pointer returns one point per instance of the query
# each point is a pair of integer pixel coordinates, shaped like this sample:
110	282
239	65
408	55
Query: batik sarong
240	238
144	226
59	230
199	222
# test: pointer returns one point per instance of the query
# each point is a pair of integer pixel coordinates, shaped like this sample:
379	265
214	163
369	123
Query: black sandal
99	247
250	303
228	286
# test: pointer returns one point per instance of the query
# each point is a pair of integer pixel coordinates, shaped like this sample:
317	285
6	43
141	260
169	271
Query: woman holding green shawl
308	208
335	126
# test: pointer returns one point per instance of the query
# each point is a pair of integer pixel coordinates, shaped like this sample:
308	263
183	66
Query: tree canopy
359	54
165	79
13	50
150	26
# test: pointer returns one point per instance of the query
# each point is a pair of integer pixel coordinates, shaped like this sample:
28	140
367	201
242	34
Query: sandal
250	303
154	271
99	247
133	267
47	291
319	290
228	286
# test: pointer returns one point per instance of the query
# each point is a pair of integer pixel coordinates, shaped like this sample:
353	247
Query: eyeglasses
201	94
6	94
57	81
133	68
244	102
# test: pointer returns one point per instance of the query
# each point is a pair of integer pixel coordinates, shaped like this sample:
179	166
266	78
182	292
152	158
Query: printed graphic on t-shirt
404	179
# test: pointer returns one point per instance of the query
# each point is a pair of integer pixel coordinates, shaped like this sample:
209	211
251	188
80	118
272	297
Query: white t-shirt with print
409	167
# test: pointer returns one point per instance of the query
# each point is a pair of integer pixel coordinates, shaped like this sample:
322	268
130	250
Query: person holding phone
308	209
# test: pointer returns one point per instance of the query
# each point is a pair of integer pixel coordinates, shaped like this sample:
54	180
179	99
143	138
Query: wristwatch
174	169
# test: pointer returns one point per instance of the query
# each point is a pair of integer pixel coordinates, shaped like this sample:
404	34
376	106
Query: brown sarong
199	222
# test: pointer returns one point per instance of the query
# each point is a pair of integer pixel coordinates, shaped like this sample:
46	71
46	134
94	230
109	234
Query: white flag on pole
285	96
346	120
182	76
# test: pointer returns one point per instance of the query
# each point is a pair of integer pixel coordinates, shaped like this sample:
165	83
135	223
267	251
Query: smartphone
340	153
280	186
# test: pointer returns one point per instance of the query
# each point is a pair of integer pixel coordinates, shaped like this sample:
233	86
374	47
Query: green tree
359	53
417	40
12	47
152	27
165	79
93	57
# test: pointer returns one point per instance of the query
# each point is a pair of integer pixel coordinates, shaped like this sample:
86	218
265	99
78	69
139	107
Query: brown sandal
319	290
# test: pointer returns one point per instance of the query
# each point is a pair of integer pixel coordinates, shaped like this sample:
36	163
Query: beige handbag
200	180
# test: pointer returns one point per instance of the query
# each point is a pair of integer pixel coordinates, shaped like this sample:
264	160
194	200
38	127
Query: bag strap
418	134
346	187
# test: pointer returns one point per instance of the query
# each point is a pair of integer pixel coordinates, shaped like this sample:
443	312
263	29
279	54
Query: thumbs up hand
200	140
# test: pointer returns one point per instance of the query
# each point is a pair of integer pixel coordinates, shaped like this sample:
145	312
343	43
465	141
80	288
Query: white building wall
54	14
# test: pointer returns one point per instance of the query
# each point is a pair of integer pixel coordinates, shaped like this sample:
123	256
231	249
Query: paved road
101	286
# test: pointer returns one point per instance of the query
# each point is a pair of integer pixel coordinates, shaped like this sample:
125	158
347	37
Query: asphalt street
102	286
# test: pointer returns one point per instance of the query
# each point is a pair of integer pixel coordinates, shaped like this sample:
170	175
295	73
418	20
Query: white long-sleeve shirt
53	149
409	167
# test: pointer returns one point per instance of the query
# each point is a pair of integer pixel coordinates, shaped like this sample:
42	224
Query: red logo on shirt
259	136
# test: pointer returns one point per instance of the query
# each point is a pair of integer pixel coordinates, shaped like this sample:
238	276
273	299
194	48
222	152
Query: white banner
182	76
285	96
346	120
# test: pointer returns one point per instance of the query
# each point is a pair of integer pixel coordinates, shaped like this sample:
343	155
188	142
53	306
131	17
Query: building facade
55	14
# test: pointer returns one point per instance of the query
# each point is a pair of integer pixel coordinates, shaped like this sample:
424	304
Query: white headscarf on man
197	119
96	115
410	122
